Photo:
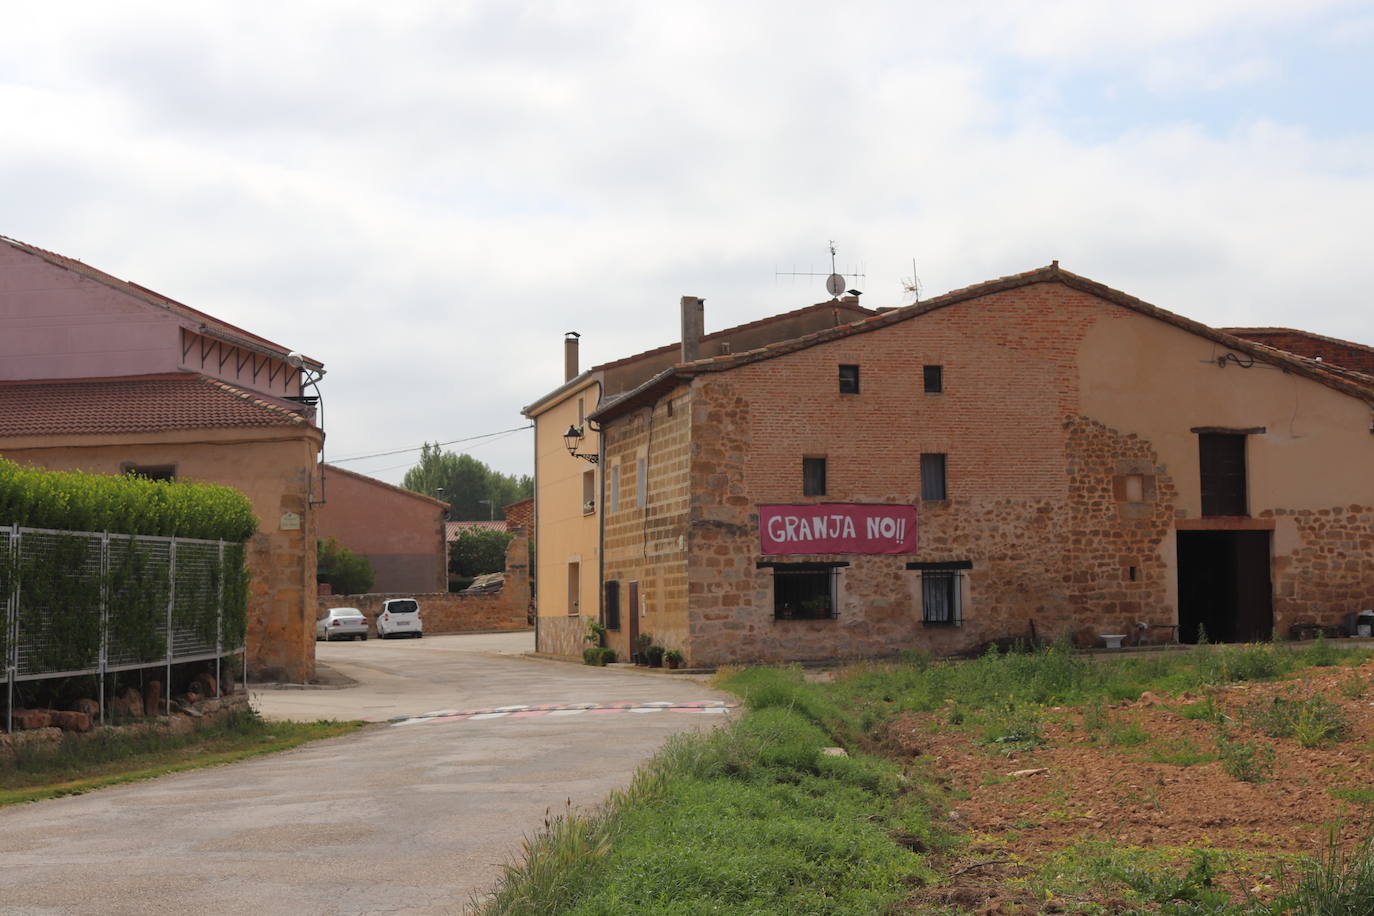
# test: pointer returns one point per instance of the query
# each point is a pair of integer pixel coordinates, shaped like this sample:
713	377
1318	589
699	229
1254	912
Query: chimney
570	356
693	327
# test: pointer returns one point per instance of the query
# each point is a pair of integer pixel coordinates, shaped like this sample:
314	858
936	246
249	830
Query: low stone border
186	720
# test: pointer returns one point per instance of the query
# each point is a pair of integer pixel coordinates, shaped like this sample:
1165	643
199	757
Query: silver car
341	623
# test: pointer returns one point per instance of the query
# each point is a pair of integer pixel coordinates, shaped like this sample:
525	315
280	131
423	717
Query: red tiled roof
1354	384
852	307
134	404
148	295
1331	350
452	529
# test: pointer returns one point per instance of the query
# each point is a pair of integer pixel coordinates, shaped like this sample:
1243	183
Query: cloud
426	196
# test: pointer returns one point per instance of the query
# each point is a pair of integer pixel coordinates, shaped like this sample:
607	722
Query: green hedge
76	501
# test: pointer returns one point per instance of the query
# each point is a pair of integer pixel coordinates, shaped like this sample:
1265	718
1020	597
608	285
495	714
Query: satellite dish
834	284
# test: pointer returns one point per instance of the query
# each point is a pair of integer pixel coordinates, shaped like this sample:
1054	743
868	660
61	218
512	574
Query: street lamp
492	505
572	439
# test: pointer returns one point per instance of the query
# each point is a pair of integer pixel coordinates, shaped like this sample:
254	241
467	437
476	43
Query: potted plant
673	659
607	656
655	656
639	652
593	655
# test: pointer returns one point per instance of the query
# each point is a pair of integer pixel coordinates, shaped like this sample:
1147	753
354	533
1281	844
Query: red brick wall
401	533
443	612
1335	352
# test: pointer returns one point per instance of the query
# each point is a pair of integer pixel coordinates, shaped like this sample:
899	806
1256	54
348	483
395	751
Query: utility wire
408	464
402	451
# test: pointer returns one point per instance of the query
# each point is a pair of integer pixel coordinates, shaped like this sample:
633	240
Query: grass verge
754	817
757	817
82	764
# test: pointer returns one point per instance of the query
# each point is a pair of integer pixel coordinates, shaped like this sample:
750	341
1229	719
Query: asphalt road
408	816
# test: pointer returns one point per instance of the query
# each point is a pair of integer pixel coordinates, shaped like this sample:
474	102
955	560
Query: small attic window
849	379
149	471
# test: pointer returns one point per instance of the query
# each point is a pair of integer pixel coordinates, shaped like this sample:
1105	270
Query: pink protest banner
837	528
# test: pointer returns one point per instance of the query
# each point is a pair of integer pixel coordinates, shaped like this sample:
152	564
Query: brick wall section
1010	379
442	612
1331	573
648	544
520	515
1336	352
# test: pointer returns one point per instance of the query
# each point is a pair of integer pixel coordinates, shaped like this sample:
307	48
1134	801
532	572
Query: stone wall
647	543
1329	573
561	635
443	612
1044	537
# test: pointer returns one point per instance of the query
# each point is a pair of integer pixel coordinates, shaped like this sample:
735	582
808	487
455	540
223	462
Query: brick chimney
570	356
693	327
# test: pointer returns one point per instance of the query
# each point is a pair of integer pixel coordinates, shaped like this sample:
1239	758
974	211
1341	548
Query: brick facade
1069	468
443	612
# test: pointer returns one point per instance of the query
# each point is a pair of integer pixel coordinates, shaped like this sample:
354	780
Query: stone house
1036	454
567	521
399	531
103	375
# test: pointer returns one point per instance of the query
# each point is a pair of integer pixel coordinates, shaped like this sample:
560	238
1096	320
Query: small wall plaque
290	521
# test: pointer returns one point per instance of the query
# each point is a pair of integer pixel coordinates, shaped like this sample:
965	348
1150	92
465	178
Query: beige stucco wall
275	468
1143	376
564	532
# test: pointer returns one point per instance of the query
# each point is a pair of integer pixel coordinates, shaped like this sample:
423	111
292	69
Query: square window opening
933	378
933	484
588	492
940	598
849	379
813	476
150	471
802	592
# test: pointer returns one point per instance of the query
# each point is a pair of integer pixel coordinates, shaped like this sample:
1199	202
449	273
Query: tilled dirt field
1144	775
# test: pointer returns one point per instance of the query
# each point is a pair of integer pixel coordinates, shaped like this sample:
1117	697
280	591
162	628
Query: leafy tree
464	483
346	572
476	552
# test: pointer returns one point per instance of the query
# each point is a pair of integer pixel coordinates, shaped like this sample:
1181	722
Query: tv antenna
835	281
912	285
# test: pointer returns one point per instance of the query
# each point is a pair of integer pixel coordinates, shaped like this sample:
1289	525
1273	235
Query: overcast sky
426	195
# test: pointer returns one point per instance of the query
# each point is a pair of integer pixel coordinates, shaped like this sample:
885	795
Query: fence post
219	621
12	631
171	636
103	659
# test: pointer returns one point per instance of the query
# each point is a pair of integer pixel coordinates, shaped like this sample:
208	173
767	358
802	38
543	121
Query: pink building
100	374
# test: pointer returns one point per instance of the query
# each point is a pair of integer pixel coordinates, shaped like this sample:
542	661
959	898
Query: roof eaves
334	468
547	400
1053	273
642	394
152	297
757	323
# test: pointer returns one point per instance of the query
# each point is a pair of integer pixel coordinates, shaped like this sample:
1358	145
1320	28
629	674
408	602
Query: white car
399	617
341	623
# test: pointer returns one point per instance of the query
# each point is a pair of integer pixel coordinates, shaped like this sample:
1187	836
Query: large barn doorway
1224	586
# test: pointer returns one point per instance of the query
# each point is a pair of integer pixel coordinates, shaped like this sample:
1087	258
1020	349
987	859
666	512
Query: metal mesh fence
7	583
87	603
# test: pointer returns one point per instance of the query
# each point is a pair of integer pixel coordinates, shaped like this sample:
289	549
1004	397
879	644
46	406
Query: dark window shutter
1222	457
612	605
933	476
